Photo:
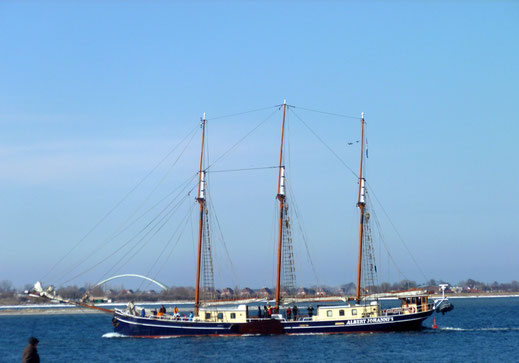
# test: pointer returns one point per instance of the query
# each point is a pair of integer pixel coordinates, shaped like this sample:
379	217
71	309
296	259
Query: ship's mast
201	200
361	204
281	198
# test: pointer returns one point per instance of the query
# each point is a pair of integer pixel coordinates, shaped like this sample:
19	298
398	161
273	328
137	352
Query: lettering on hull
384	319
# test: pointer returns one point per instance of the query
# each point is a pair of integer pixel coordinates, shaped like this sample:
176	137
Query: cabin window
341	312
353	311
220	315
207	316
233	315
328	313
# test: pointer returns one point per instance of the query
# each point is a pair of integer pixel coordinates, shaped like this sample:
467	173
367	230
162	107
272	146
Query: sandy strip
32	311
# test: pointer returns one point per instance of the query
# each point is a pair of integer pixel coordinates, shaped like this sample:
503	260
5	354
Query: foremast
281	197
361	203
201	200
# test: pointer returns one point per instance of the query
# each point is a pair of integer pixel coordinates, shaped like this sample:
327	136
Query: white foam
168	337
479	329
114	335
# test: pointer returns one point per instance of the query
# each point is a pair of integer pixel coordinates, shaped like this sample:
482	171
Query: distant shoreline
54	309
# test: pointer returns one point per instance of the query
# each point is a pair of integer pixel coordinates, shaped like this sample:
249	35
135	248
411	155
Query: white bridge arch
164	287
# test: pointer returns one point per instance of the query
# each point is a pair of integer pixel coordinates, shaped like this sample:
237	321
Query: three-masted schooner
364	314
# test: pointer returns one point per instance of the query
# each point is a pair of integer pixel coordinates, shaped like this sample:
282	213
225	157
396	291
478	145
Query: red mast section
201	200
361	204
281	198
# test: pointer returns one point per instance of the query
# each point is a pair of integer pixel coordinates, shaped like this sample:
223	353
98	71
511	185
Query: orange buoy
434	324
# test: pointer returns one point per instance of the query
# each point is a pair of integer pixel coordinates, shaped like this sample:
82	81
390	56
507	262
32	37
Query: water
481	330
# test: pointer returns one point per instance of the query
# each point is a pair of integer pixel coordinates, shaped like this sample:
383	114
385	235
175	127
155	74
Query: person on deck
30	353
143	312
175	310
289	313
269	310
310	311
259	312
294	311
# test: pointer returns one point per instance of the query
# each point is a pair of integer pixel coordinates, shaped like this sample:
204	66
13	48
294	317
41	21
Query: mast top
361	113
284	102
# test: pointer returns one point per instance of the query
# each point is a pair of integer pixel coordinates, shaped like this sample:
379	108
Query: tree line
10	295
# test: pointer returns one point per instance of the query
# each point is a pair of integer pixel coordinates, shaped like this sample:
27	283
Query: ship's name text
384	319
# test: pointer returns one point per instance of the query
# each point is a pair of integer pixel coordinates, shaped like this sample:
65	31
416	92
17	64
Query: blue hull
150	327
380	324
146	327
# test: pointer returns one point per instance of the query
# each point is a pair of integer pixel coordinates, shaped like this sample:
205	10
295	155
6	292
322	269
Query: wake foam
114	335
478	329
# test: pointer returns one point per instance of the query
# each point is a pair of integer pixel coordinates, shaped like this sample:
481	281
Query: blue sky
94	94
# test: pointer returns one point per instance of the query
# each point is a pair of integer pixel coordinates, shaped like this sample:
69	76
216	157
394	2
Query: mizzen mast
361	204
281	197
201	200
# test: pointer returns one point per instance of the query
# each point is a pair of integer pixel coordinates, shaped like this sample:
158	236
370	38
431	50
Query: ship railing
260	319
408	310
167	317
299	318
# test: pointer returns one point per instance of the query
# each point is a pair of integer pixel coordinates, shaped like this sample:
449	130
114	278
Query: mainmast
201	200
281	198
361	204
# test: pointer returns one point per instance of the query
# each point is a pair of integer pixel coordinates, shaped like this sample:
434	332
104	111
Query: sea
477	330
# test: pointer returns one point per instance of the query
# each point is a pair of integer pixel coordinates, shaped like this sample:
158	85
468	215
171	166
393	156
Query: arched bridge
162	286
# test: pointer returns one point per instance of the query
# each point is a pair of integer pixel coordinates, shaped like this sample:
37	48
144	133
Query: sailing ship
364	313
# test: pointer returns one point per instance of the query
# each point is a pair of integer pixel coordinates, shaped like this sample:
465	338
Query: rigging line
168	242
106	241
328	113
138	248
243	138
181	187
233	270
193	241
398	233
206	145
121	228
303	234
189	216
113	253
143	203
241	113
157	227
128	242
242	169
182	224
118	203
326	145
289	141
387	250
390	256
